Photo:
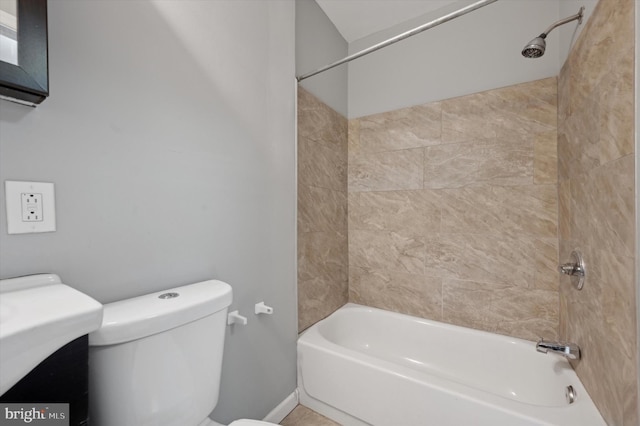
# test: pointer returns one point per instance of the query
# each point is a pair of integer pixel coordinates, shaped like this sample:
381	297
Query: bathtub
365	366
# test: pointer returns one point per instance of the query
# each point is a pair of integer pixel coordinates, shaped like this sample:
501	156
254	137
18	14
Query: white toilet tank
156	360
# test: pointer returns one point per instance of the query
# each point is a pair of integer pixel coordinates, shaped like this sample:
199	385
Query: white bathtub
368	366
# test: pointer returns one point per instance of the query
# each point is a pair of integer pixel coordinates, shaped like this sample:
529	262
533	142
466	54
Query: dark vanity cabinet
61	378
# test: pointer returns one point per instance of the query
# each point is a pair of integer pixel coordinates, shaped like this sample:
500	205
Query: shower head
536	47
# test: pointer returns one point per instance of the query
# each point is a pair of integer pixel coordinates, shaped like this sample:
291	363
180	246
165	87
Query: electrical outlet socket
30	207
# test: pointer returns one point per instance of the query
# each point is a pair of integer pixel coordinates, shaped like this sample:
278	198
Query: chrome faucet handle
567	268
572	269
575	269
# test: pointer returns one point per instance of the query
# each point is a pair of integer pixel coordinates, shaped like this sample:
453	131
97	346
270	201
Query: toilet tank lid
154	313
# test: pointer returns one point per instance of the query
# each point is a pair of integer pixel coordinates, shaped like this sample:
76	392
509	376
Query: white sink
39	315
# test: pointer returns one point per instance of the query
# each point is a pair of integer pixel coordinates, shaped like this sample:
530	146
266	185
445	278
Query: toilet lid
247	422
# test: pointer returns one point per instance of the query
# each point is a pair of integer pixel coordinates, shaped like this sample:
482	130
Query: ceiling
356	19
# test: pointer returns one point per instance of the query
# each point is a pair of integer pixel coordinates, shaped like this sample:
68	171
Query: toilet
157	359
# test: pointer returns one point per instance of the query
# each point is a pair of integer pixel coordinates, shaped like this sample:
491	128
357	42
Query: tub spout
569	350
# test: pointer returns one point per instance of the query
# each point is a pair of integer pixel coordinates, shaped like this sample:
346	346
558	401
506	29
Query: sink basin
39	315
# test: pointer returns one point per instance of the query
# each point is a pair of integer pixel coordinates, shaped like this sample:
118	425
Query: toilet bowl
157	359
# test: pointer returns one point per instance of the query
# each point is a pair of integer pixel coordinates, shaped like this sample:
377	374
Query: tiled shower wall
453	210
322	210
596	207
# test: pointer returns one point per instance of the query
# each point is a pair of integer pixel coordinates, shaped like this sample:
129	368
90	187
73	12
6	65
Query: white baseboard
285	407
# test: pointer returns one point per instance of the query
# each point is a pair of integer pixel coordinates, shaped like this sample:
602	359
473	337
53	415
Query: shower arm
577	16
407	34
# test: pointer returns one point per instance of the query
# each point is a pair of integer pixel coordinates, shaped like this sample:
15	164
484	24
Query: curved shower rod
407	34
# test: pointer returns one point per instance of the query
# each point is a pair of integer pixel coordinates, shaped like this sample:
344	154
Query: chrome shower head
536	47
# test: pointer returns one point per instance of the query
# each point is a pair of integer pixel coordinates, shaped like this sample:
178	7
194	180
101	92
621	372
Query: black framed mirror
26	81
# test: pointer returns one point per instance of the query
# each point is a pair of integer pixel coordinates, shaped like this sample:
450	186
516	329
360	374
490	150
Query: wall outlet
30	207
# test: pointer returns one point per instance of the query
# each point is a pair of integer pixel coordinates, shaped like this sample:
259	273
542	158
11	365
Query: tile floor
303	416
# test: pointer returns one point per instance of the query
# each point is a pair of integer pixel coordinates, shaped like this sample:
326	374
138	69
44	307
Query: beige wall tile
608	390
411	294
563	92
354	137
616	124
597	207
321	209
525	124
468	304
630	402
578	147
589	63
468	118
564	209
545	158
546	275
322	254
319	123
540	95
481	162
307	101
321	166
387	250
316	125
384	171
618	312
601	129
610	279
487	213
516	111
401	129
531	329
603	207
319	298
498	259
514	210
527	314
607	35
565	154
413	211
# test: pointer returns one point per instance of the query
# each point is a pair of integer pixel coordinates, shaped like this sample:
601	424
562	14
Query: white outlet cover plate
13	191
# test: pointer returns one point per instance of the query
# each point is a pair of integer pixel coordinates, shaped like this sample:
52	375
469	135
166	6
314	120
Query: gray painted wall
476	52
319	43
637	151
169	135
